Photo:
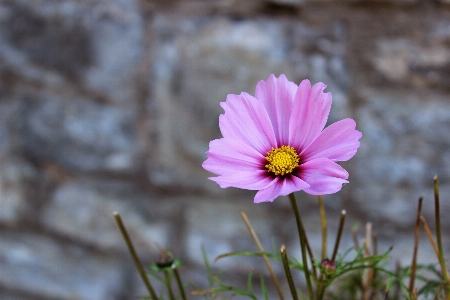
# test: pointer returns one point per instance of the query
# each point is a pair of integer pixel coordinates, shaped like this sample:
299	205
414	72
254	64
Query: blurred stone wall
109	105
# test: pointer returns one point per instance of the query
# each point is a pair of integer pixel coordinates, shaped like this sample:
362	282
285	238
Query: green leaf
249	281
264	288
208	268
248	253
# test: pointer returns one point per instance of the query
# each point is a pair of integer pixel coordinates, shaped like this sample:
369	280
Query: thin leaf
249	281
248	253
264	289
208	268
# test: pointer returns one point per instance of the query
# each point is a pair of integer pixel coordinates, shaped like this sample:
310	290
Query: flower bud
328	266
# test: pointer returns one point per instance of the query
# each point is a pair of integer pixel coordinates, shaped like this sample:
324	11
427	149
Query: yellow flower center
282	160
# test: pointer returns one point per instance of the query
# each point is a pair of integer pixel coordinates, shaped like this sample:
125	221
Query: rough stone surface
109	105
78	134
236	234
85	212
13	187
403	134
95	45
57	271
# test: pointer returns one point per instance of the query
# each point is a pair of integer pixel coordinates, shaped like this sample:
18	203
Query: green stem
311	256
438	231
261	249
321	291
179	283
323	222
339	234
302	235
322	286
169	285
412	277
136	260
287	270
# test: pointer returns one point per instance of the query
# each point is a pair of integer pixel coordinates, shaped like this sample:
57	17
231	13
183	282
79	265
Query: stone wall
109	105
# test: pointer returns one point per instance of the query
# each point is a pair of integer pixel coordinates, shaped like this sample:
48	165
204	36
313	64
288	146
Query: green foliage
353	275
346	280
216	286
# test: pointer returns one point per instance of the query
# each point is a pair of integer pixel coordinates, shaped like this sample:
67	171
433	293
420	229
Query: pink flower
276	143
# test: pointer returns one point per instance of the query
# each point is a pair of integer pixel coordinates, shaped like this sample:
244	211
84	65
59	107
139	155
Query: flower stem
339	234
133	254
287	270
169	285
323	222
311	256
321	291
367	277
414	294
180	285
416	247
261	249
430	236
322	286
302	235
438	234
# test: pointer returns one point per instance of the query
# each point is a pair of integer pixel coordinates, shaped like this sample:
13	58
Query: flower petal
246	120
227	156
249	180
309	114
281	114
281	186
238	164
323	175
277	95
337	142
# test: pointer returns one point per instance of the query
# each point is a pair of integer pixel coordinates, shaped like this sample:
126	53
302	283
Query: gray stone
399	2
118	39
415	62
288	3
15	175
84	212
98	45
78	134
7	114
48	269
397	160
218	226
23	189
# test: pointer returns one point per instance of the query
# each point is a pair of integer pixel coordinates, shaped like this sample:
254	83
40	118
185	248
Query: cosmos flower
276	143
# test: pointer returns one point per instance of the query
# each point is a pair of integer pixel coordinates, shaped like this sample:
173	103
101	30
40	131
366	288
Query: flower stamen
282	160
